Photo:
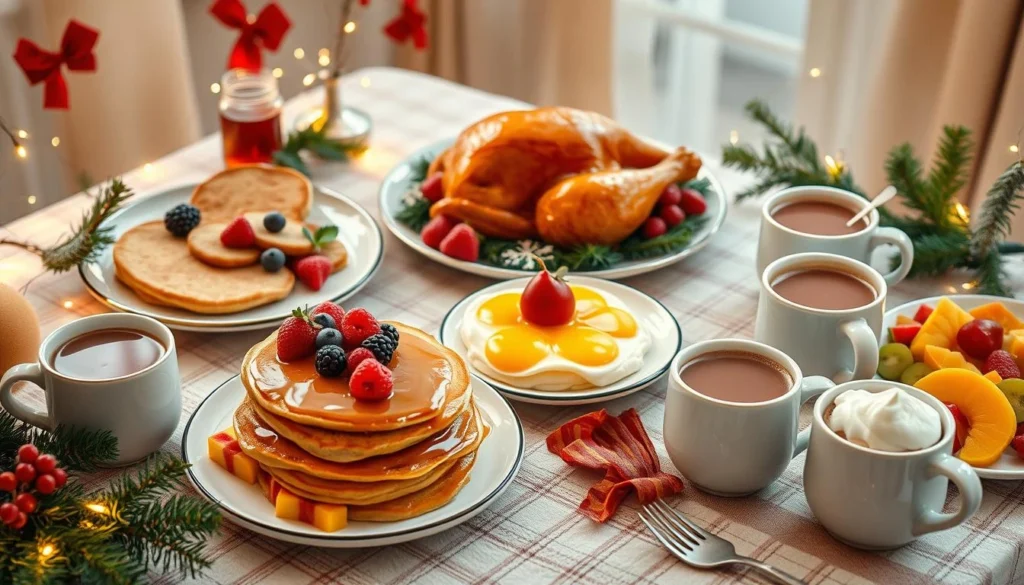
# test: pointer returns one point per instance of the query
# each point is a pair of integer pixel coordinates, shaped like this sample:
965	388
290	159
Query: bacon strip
619	446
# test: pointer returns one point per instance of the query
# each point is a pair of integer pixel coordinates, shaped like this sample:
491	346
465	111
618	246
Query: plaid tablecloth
533	533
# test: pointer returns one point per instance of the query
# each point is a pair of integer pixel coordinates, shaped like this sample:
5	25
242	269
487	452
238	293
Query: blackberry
181	219
381	346
389	331
330	361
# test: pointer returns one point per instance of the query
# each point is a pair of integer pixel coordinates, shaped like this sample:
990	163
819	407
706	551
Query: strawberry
1002	362
313	270
1018	445
371	381
922	313
904	333
693	202
238	234
654	227
436	229
432	189
356	326
329	308
461	243
296	337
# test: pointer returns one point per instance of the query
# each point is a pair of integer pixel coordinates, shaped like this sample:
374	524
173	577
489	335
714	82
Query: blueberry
328	336
324	320
274	222
272	259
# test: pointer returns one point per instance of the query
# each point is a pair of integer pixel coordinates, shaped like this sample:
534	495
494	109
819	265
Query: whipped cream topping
890	420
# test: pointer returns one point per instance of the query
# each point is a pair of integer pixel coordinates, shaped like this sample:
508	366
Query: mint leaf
326	234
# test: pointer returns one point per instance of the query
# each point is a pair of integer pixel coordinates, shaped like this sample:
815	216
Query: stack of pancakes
387	460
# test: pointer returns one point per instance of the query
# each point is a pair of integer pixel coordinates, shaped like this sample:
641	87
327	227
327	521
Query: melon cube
326	517
225	451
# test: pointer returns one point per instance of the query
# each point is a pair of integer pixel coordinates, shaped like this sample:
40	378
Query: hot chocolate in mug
139	403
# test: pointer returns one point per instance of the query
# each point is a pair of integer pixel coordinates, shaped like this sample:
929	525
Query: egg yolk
588	340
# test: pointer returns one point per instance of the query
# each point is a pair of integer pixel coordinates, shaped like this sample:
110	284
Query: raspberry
390	332
357	356
238	234
382	347
371	381
330	361
1002	362
181	219
357	325
335	311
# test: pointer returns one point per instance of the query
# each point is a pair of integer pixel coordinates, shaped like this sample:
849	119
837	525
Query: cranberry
46	484
654	227
60	476
672	195
46	463
8	482
27	453
672	214
24	472
26	502
8	513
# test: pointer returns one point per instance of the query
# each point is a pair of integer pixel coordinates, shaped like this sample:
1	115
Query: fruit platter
967	351
492	211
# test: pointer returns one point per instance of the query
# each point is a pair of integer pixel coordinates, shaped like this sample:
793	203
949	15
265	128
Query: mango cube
994	377
225	451
326	517
939	358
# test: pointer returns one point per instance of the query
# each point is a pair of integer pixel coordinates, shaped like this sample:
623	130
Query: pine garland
140	522
943	239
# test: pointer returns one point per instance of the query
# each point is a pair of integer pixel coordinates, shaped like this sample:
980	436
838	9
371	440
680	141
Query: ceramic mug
777	240
841	344
876	499
141	409
734	448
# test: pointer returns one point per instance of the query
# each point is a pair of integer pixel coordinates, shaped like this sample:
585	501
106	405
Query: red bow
620	446
409	24
267	31
39	65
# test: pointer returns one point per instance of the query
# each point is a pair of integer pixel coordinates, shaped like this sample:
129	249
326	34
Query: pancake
354	492
418	503
204	244
289	240
151	261
427	376
268	448
336	253
342	447
235	191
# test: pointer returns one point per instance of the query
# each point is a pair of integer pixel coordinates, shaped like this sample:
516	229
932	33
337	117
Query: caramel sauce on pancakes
427	376
264	445
418	503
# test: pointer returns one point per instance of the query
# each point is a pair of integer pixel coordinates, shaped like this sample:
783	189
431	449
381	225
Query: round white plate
398	182
666	340
1010	466
356	229
497	462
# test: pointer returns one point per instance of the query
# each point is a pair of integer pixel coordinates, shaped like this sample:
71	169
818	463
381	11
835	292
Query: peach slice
940	328
989	414
938	358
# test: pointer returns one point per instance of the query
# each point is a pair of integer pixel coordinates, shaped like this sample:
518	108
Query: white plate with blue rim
498	460
400	191
1011	465
356	229
650	314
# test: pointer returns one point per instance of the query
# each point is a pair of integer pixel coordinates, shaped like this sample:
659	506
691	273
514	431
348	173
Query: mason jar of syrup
250	116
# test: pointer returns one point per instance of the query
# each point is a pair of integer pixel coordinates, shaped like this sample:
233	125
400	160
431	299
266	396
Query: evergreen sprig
942	240
316	143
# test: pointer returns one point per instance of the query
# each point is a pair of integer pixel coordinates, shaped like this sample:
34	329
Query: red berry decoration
46	463
693	202
60	476
26	502
1003	364
24	472
238	234
46	484
356	326
20	522
432	188
461	243
672	214
436	230
313	270
1017	443
296	337
980	337
672	195
27	453
547	300
8	483
334	310
654	227
8	513
371	381
356	357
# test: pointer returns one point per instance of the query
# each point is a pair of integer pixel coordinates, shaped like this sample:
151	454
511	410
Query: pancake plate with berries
148	259
427	376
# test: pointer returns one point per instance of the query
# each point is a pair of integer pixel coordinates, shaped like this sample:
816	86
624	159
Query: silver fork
697	547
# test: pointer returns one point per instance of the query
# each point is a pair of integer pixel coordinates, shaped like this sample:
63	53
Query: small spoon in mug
884	197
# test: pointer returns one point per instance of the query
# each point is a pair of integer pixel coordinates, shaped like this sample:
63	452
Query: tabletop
533	532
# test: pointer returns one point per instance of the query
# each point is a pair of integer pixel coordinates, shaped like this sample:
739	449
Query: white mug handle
18	409
865	351
812	387
967	483
896	237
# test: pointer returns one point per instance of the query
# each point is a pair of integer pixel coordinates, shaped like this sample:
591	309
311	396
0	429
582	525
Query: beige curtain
895	72
540	51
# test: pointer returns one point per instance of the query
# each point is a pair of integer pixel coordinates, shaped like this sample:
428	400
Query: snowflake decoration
412	196
522	254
